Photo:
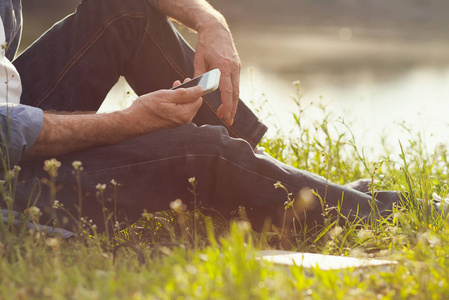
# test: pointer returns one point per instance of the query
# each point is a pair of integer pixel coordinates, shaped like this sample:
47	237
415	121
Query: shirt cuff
20	128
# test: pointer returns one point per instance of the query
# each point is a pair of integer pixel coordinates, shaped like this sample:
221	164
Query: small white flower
51	166
33	213
176	205
77	165
100	187
57	204
10	175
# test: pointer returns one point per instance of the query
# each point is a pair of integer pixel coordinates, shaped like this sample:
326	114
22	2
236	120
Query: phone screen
208	81
190	83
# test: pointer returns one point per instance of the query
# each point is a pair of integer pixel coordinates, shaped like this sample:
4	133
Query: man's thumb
185	95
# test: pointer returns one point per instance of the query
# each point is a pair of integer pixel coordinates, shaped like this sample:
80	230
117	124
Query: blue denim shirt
20	125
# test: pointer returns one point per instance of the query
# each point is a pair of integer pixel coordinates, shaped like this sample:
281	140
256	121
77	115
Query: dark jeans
73	66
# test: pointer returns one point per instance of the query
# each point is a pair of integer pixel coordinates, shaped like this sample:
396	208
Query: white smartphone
208	81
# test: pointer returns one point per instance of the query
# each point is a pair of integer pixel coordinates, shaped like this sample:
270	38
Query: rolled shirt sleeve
20	127
20	124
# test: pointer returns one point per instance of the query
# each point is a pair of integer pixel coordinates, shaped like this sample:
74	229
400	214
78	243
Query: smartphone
208	81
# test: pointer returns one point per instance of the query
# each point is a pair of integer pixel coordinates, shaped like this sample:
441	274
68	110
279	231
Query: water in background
393	111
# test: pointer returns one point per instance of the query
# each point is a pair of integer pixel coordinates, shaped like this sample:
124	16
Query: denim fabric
154	170
154	3
79	60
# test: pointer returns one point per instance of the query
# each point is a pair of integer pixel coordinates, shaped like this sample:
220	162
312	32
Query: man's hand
166	108
215	49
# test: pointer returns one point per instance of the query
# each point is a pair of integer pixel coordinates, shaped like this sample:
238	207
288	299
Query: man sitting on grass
164	138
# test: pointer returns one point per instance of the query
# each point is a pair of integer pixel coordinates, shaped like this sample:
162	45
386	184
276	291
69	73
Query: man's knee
206	139
116	8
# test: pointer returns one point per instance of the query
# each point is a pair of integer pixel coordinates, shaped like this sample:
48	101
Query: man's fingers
226	89
236	93
176	83
186	95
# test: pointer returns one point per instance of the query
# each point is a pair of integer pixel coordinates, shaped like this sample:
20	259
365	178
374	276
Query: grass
190	256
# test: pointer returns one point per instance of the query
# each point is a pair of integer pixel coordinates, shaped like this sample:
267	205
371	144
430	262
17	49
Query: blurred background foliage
40	15
399	14
422	14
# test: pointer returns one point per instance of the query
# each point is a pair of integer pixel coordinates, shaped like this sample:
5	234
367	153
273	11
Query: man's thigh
152	170
75	63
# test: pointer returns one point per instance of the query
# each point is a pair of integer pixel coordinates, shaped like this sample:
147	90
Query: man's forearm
64	133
